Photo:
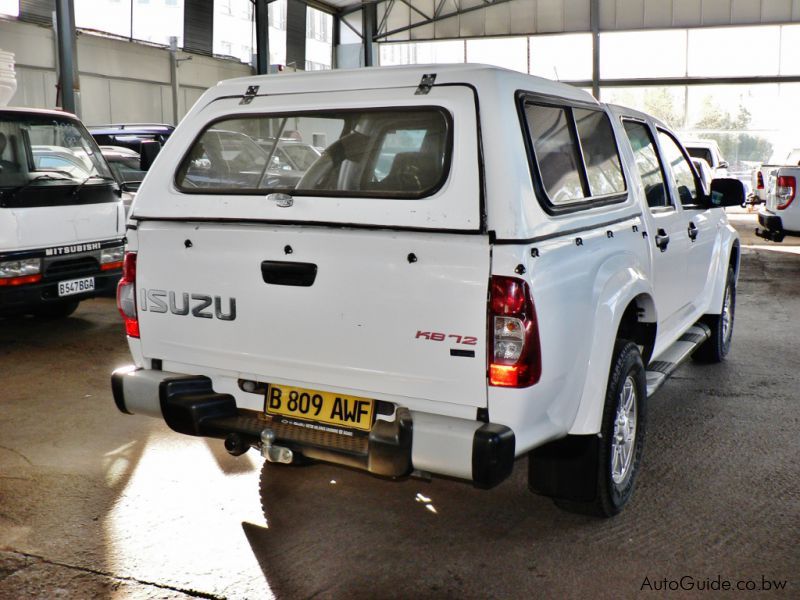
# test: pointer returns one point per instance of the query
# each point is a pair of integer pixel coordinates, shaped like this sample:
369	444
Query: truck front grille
71	267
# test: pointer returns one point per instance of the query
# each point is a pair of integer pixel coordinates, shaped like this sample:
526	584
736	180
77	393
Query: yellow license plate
322	407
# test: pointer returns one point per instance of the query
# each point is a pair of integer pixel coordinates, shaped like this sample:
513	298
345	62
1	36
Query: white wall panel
657	13
95	100
577	15
498	19
120	81
473	24
746	11
716	12
448	28
630	14
35	88
549	16
776	10
523	17
687	13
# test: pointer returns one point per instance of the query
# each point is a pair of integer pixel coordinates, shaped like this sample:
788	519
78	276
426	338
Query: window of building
9	8
319	40
234	29
566	57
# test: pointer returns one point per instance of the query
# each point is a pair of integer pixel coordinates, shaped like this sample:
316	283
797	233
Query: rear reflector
126	295
514	354
785	191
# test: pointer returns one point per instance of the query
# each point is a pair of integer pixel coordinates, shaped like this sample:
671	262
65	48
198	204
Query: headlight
20	272
20	268
110	255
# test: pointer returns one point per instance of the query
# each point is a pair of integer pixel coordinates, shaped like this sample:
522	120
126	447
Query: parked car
126	166
709	151
780	216
509	283
62	223
764	177
704	171
131	135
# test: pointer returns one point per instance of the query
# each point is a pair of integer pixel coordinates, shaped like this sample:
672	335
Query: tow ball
270	451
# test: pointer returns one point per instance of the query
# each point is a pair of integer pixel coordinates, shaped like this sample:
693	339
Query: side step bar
659	371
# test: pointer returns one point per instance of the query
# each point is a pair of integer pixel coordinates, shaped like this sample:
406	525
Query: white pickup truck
763	178
480	266
780	215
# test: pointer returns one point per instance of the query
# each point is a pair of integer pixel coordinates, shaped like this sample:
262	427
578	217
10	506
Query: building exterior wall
120	81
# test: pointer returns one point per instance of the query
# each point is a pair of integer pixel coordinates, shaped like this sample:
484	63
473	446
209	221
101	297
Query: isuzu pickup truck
479	267
780	216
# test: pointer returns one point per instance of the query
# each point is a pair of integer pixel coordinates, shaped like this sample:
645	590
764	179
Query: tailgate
387	314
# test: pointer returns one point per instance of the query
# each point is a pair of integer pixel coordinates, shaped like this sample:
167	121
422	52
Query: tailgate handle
279	272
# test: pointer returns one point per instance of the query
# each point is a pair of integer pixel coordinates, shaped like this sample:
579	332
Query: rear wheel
617	459
57	310
716	347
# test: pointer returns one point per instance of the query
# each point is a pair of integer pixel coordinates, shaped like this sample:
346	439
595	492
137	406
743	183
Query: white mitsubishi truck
62	223
479	266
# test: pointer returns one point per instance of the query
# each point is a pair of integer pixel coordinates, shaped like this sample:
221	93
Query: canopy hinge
425	84
252	92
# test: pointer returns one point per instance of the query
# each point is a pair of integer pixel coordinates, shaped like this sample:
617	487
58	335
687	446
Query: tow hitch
273	453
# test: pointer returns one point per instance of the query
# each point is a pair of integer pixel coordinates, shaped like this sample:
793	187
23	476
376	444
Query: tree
734	143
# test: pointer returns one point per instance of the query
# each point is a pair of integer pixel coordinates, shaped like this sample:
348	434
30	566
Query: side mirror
726	192
723	164
148	151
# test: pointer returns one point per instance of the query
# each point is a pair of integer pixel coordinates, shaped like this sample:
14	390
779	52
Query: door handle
662	240
692	231
279	272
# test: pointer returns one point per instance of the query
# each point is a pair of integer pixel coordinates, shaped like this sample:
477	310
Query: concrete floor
96	504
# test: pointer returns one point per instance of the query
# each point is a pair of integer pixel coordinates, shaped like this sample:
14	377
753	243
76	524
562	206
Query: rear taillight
785	191
514	355
126	295
760	181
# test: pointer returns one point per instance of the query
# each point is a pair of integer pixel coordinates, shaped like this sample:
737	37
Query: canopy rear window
397	153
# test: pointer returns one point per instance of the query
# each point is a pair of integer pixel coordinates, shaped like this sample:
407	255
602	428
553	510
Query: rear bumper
25	298
482	453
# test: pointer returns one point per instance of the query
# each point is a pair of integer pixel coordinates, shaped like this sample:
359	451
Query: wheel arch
731	258
625	308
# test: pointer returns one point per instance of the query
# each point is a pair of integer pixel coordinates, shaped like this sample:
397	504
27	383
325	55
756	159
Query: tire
58	310
717	347
621	442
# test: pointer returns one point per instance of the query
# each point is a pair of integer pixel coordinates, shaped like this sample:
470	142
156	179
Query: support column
594	11
336	41
296	34
173	76
262	36
68	82
369	26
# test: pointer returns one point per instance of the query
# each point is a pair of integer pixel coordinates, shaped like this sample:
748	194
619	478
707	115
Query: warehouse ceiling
404	20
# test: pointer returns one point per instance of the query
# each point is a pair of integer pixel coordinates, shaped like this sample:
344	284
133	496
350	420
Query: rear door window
375	153
574	156
648	164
